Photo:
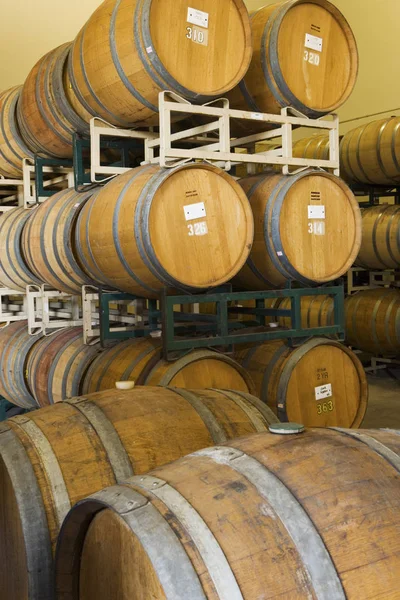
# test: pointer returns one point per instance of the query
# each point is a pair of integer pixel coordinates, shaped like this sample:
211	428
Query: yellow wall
30	28
375	25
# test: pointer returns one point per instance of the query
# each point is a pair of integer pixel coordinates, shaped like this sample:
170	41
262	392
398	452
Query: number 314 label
198	229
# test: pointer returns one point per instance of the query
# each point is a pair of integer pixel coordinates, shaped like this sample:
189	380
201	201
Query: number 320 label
198	229
312	57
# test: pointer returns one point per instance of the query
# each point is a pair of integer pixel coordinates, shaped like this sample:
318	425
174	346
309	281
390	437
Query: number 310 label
198	229
197	35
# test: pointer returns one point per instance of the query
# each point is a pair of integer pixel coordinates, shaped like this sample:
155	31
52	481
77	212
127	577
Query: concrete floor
384	402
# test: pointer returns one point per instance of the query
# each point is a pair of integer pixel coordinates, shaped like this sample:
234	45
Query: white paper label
197	17
323	391
195	211
313	42
316	211
257	116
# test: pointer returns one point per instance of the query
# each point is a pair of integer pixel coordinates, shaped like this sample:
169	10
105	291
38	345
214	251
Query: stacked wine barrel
82	507
369	154
190	228
75	82
36	371
372	318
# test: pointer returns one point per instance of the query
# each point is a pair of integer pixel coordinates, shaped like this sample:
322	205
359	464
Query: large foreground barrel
51	458
268	516
320	383
141	361
371	153
45	115
131	50
48	241
14	272
305	56
57	365
189	228
380	246
13	149
15	347
373	321
307	228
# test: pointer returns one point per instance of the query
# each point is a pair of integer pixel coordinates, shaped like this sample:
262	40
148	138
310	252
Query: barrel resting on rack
319	383
307	229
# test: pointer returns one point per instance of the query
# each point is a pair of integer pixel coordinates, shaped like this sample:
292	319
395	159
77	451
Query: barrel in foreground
52	458
269	512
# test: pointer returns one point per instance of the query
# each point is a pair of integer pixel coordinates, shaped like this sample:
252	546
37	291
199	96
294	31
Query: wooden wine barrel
52	458
152	228
12	146
380	246
263	516
45	115
373	321
165	50
15	347
14	272
57	365
320	383
140	360
371	153
315	148
316	311
305	56
292	243
48	241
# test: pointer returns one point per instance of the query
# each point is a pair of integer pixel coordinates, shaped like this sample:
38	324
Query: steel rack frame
170	149
100	319
182	331
375	192
359	279
43	317
10	313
